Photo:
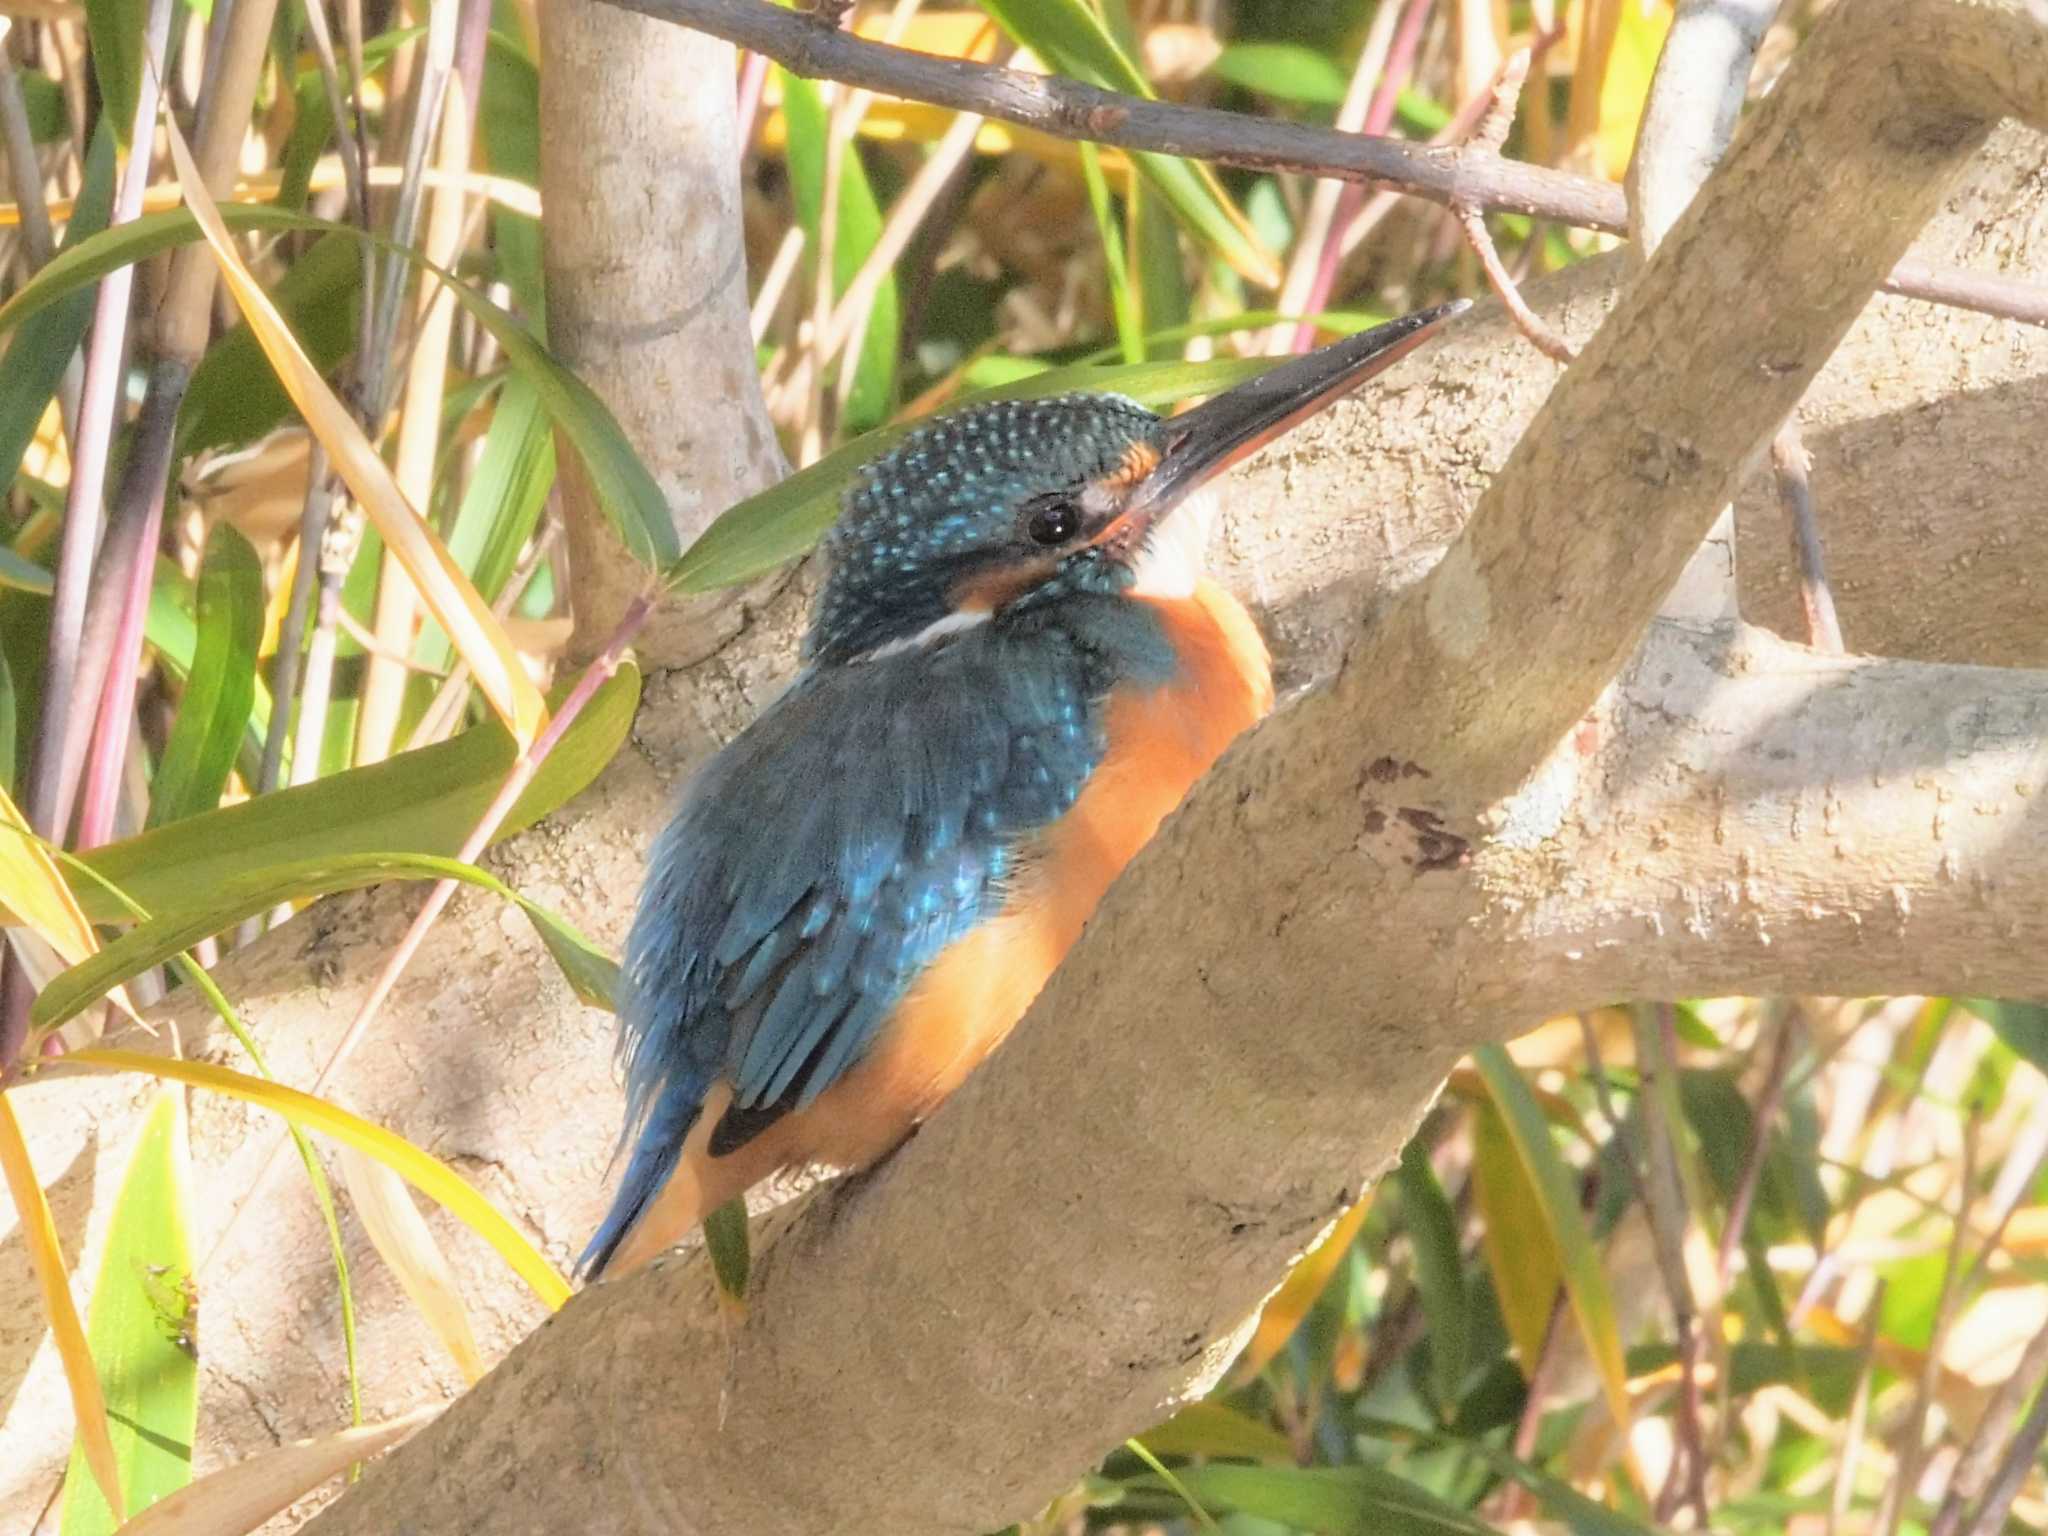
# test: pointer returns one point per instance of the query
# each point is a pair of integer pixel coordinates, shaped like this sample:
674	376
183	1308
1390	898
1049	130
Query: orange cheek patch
989	591
1139	461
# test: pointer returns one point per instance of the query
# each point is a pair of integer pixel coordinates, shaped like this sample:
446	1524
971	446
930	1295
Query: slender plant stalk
71	681
24	169
1400	63
447	121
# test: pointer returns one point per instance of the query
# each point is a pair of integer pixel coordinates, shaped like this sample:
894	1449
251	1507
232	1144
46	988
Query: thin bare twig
1912	1453
1853	1433
1765	1114
1527	321
1790	464
1393	74
1488	134
1978	1468
24	169
2017	1463
1068	109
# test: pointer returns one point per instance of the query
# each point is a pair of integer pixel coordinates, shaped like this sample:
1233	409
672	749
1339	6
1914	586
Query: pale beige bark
647	292
1055	1306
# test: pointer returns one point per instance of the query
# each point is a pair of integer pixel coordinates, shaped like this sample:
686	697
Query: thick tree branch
1578	539
1068	109
1730	812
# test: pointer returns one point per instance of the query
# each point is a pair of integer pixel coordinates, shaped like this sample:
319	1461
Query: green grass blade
1439	1273
1585	1282
784	521
143	1327
1158	264
1070	37
418	802
858	228
1123	303
175	929
220	685
501	504
115	29
425	1172
316	1175
34	364
1335	1501
1284	71
508	127
1210	1428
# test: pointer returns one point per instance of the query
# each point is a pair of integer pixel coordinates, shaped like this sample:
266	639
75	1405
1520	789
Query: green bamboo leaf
1285	71
2022	1026
1585	1282
1521	1253
726	1240
170	624
500	505
1439	1273
424	801
1335	1501
173	930
508	127
1123	303
114	29
1211	1429
234	396
785	520
36	360
220	686
44	99
1070	37
1579	1514
143	1328
859	227
624	488
316	1175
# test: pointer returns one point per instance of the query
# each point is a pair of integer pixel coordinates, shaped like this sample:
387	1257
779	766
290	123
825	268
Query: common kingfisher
1015	670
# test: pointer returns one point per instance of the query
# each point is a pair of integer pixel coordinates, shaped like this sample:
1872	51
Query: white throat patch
1176	550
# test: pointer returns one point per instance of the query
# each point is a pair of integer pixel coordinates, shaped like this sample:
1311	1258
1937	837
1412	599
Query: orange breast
1161	741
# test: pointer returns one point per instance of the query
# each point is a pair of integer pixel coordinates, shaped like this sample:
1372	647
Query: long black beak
1202	443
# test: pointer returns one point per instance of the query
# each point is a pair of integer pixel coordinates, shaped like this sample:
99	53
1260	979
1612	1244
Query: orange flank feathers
1161	741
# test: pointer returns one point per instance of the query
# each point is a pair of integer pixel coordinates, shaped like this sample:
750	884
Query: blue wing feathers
869	819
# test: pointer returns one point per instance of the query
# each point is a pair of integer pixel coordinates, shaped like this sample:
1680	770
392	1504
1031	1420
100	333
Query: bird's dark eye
1053	522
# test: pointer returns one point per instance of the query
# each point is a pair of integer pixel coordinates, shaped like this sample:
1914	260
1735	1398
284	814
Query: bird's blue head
1024	501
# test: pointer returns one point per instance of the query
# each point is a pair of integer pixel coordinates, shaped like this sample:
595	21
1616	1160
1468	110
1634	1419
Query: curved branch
1650	433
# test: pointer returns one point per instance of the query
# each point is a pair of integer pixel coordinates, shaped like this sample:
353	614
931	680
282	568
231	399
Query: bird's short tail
656	1151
